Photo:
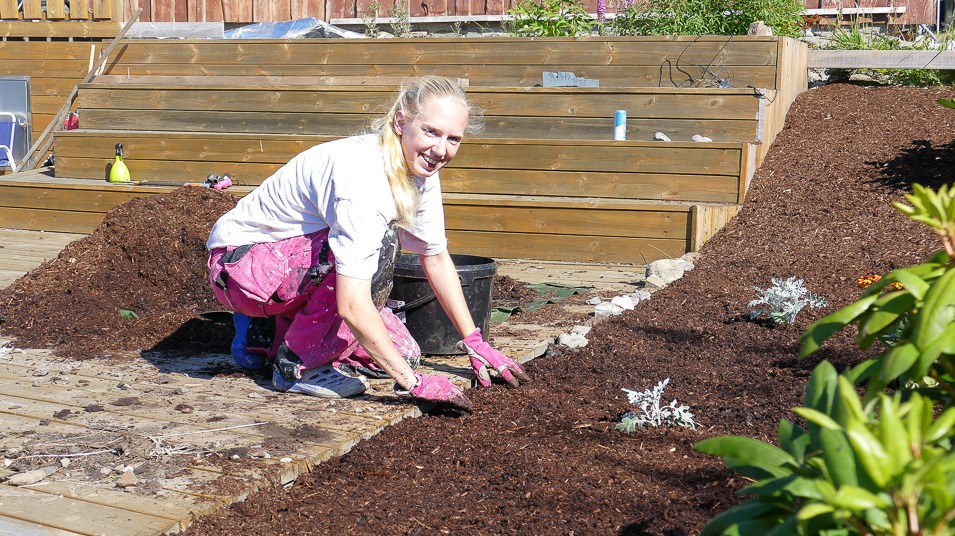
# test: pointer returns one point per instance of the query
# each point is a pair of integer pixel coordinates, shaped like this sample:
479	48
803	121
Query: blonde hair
410	102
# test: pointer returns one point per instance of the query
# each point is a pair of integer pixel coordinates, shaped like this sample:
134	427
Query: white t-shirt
340	185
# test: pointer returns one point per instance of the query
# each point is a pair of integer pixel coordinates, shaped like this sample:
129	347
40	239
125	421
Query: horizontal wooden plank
346	124
530	74
45	68
25	528
75	50
581	221
565	248
49	220
62	197
612	51
658	186
493	102
224	150
882	59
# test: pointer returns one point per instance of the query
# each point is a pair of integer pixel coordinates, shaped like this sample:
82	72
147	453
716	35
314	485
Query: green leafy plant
549	18
648	410
919	317
856	36
783	301
400	18
369	18
126	314
705	17
847	472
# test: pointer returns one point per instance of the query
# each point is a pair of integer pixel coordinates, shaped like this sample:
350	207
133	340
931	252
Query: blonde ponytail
410	102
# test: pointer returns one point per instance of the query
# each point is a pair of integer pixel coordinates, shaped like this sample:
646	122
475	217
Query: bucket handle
465	279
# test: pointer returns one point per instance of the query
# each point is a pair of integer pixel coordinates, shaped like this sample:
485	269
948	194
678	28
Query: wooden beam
882	59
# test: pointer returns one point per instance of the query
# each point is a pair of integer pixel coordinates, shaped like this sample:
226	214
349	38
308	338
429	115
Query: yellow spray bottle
119	172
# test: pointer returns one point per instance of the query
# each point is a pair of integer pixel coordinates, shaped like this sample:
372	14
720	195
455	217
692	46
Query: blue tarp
291	29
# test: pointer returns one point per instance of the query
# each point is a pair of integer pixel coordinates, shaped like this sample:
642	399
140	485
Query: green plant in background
705	17
919	316
847	472
369	18
856	36
549	18
782	302
400	18
648	410
880	464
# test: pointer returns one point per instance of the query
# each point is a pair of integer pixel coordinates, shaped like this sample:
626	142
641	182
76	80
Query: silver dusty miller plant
782	301
652	413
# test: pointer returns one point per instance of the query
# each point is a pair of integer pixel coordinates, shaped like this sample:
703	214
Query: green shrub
847	472
705	17
879	465
859	37
549	18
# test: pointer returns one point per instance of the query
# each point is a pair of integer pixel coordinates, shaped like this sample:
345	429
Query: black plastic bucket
423	314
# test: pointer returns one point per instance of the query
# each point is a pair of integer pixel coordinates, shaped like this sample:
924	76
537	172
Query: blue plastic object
240	353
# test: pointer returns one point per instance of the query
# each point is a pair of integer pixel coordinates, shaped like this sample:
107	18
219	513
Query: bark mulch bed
545	458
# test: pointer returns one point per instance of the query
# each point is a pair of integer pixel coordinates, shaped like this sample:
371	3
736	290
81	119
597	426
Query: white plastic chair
8	134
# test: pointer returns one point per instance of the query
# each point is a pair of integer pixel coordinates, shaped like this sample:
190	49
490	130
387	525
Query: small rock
655	281
669	270
572	340
37	383
180	391
40	372
607	309
759	28
185	408
286	460
583	330
122	385
623	302
64	462
127	479
594	301
640	295
692	257
31	477
701	138
259	453
661	136
254	395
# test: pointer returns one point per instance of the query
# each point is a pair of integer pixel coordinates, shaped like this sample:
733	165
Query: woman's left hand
484	357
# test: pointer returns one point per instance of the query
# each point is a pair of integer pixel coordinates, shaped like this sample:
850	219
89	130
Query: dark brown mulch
545	458
147	258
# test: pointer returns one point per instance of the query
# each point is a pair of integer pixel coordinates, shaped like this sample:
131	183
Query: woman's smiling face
430	139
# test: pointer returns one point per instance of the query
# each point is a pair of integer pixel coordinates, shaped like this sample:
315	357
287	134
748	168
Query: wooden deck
163	418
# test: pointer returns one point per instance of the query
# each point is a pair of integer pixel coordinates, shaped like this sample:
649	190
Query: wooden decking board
336	425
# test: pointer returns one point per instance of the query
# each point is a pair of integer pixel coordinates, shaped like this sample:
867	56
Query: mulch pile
138	281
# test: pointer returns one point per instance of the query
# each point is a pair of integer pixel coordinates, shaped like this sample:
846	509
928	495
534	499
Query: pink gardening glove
483	356
438	389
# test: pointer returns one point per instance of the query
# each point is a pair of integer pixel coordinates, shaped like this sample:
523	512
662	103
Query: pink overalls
294	281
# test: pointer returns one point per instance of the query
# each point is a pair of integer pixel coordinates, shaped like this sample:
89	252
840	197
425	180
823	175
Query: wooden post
45	141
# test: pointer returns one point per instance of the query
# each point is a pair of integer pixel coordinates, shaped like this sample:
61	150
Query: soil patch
545	458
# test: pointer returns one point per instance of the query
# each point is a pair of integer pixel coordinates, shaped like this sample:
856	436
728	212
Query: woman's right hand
438	389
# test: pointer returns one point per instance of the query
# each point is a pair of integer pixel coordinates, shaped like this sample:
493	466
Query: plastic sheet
291	29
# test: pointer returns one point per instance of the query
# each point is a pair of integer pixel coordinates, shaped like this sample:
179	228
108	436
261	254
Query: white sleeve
355	235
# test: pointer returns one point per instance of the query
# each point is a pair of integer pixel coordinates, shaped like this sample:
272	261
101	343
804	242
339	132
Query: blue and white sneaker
240	352
325	381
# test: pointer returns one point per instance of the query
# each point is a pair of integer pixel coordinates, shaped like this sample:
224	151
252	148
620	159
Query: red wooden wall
245	11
